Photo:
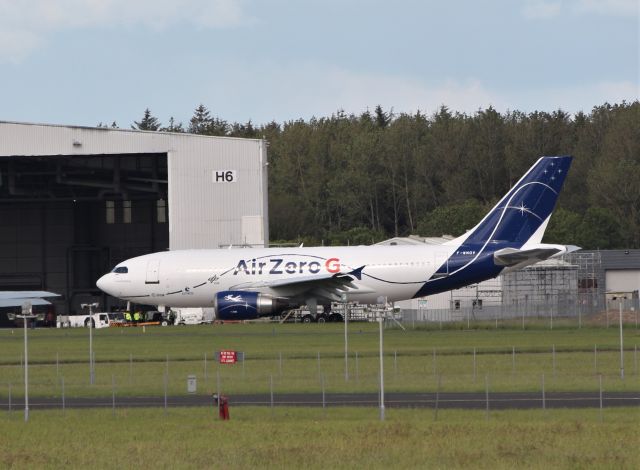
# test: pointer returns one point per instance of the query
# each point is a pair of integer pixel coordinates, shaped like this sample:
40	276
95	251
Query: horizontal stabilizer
513	258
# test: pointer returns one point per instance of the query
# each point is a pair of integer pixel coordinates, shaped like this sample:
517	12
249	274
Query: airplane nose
102	283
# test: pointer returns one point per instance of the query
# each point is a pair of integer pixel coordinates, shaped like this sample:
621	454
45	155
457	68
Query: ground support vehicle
357	312
99	319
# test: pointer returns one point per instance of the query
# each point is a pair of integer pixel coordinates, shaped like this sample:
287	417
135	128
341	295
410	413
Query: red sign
228	357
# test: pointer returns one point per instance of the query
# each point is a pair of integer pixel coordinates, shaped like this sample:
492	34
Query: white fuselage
191	278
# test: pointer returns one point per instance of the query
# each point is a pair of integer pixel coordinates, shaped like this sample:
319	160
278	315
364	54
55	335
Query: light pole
91	370
621	346
380	320
346	337
26	315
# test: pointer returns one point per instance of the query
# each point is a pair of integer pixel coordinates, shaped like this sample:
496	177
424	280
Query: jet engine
245	305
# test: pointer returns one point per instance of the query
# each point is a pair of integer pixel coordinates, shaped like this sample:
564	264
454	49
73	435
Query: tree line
362	178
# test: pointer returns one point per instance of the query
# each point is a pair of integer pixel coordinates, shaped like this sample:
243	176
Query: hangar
75	201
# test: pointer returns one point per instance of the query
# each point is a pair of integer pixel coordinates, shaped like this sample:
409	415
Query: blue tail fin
526	207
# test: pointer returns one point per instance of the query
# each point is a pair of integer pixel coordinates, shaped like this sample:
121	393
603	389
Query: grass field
311	438
134	362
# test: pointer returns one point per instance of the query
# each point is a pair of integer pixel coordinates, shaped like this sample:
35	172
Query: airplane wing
26	294
514	258
325	286
18	298
20	302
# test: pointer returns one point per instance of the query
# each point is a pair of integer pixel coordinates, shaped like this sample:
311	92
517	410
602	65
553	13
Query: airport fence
316	378
586	310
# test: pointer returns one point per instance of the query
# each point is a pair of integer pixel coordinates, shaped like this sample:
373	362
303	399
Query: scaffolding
569	286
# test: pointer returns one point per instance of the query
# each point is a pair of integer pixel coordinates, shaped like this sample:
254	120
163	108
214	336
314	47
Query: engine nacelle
245	305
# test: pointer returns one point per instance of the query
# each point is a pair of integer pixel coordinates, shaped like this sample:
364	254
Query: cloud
609	7
536	10
303	90
35	20
548	9
15	45
406	94
573	98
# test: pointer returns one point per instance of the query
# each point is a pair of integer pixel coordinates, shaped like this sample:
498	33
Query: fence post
553	354
113	394
166	379
63	397
474	366
205	367
130	368
9	397
271	391
434	362
579	317
357	368
513	359
600	386
218	383
57	365
167	369
324	403
280	364
486	388
435	412
544	398
595	358
395	362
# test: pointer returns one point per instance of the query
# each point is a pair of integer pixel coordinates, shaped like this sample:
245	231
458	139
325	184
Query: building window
161	205
456	305
111	212
126	212
587	283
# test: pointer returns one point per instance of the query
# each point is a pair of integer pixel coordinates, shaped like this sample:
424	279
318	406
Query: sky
82	62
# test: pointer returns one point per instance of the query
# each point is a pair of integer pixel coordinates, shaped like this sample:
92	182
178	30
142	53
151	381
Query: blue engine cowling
244	305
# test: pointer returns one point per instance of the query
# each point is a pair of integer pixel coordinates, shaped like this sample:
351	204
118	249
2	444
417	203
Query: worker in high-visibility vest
127	317
136	317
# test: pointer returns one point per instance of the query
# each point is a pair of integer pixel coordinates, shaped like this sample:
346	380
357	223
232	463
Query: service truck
100	320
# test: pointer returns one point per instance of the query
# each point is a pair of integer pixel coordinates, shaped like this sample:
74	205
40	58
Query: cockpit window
120	270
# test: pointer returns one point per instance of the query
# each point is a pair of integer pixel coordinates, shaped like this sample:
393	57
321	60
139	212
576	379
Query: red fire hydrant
223	406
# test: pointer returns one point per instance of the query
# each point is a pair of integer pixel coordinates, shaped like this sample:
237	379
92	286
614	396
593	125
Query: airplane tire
307	319
321	319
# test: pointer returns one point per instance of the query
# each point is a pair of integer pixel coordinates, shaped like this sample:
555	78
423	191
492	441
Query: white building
74	201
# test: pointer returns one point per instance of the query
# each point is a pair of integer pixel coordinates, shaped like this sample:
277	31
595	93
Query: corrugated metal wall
211	189
202	213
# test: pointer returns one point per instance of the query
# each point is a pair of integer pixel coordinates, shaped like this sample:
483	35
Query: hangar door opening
69	219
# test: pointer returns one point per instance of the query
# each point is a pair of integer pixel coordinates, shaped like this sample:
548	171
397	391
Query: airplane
249	283
18	298
12	303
